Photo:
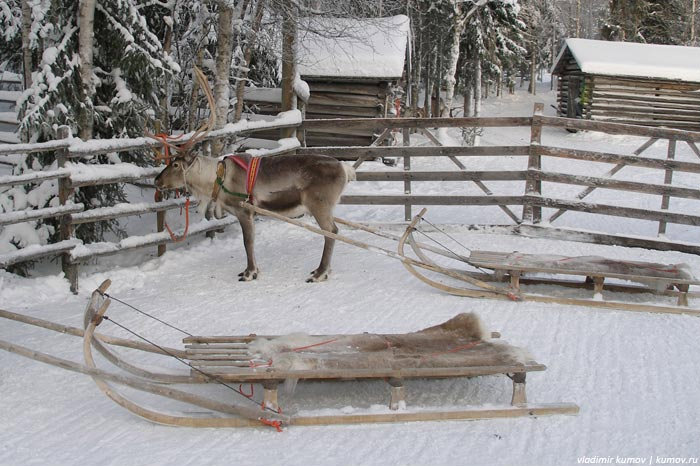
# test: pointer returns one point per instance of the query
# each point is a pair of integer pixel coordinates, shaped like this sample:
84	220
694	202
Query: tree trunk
86	23
26	52
468	87
578	18
428	83
224	51
248	54
452	58
164	114
289	35
477	87
693	12
533	69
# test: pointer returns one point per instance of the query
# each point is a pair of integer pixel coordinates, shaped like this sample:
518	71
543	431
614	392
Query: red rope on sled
247	395
276	424
315	344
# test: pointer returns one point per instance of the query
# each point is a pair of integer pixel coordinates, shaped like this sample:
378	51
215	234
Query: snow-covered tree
492	46
648	21
128	75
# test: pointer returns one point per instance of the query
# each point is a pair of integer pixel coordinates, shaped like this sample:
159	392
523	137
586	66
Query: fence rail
73	174
528	181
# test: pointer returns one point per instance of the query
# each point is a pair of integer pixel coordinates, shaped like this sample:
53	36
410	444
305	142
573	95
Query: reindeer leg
324	218
245	218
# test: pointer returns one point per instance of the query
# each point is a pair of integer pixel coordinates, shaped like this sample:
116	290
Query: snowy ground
634	375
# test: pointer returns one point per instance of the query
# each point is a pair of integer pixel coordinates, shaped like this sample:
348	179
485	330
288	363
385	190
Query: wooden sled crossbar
595	269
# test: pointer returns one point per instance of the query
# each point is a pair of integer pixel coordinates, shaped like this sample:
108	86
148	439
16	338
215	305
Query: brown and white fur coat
286	184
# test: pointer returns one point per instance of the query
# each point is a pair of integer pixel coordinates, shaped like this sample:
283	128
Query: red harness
251	171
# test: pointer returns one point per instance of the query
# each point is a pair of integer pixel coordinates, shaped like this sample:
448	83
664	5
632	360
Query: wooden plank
147	173
31	253
532	213
79	332
431	200
694	148
662	124
620	128
603	99
151	240
595	237
637	271
668	179
381	123
444	176
345	100
644	115
604	209
607	183
374	89
246	374
20	216
398	151
23	149
104	213
630	160
33	177
651	84
325	112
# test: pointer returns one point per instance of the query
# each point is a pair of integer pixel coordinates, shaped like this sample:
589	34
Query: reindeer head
174	174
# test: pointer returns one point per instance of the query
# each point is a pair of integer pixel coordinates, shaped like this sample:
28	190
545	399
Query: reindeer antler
201	132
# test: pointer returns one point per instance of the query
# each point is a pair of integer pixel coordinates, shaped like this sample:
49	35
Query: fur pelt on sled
458	342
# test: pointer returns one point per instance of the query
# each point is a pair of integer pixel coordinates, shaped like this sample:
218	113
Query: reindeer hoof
247	276
317	276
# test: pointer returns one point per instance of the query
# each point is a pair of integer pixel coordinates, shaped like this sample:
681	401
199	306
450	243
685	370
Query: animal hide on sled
459	342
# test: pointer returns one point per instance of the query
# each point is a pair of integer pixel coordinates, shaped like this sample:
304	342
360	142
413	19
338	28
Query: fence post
406	168
668	178
531	213
65	229
160	215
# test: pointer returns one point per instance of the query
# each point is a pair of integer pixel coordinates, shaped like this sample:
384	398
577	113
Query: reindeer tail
349	172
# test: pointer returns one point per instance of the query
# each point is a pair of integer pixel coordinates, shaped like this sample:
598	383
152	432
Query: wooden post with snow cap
65	228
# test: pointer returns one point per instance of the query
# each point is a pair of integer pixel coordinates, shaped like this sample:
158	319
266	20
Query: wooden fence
525	209
71	175
528	218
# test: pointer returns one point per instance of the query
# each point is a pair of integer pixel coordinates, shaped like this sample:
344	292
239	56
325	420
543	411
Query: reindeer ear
189	157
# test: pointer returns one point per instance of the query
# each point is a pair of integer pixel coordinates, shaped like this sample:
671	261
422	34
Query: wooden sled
453	349
481	285
512	266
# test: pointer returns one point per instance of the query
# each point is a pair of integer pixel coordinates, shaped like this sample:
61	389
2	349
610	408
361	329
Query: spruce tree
130	74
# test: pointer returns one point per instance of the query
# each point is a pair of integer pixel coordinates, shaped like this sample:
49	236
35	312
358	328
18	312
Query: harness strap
251	170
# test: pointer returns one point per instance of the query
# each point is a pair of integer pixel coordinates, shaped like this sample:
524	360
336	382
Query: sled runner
456	348
662	278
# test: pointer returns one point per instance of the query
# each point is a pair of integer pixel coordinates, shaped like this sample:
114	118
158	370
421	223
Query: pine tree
130	73
493	38
648	21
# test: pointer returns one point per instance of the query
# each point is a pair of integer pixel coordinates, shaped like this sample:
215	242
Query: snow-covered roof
356	48
673	62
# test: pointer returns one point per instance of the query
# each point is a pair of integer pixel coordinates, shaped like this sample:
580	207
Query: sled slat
242	374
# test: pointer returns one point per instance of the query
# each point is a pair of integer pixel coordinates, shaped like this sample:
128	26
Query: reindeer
286	184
